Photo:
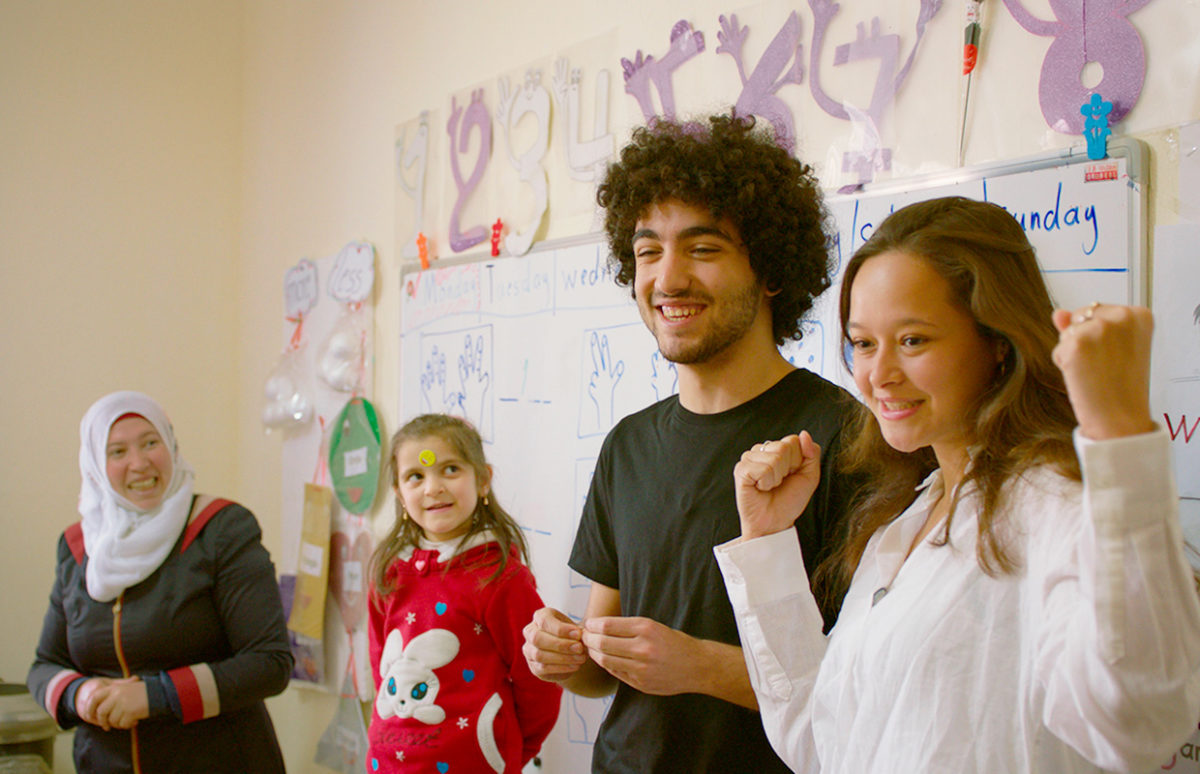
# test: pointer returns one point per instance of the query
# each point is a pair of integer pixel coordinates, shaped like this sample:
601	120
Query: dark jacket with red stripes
205	632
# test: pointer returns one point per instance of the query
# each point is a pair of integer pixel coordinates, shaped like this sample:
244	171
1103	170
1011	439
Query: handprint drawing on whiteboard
614	375
664	376
475	377
433	383
585	717
456	375
606	373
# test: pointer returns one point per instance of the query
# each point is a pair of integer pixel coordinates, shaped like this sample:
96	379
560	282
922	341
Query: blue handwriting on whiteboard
664	376
600	273
1057	218
534	281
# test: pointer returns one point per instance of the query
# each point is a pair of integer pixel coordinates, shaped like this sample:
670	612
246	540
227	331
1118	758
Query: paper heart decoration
347	575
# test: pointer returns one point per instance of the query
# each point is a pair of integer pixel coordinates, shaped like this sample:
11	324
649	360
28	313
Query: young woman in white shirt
1019	599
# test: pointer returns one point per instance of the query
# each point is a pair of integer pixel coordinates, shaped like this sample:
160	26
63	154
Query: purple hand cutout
758	90
645	73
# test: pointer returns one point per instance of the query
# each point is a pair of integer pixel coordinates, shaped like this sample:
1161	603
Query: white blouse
1086	659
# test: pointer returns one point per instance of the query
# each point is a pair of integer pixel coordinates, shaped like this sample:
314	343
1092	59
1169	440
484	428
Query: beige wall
163	162
120	175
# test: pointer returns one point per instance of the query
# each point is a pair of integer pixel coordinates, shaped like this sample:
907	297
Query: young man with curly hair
720	236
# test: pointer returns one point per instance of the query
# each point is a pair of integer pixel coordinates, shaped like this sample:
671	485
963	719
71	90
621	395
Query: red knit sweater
453	690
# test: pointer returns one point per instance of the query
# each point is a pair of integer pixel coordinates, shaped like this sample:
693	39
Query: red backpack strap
202	518
74	536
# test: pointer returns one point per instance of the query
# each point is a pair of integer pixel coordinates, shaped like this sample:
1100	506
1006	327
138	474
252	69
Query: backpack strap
74	536
197	523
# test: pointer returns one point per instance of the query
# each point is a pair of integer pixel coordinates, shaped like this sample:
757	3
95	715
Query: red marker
971	36
970	57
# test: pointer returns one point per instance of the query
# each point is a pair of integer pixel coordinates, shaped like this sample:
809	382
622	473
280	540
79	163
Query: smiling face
137	462
920	360
439	497
694	285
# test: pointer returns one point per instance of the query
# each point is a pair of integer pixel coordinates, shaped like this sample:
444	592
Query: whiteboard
1086	219
544	353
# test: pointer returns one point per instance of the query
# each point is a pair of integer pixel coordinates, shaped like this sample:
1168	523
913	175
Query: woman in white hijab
165	629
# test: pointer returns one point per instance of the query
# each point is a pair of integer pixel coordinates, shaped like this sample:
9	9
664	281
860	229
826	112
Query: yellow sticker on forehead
427	457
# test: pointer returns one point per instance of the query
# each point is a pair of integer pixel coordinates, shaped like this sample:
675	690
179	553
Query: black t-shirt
661	498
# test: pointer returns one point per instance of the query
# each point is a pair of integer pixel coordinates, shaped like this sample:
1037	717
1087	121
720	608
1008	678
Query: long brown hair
1024	417
488	514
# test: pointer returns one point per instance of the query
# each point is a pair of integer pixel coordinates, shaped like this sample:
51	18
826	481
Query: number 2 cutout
476	115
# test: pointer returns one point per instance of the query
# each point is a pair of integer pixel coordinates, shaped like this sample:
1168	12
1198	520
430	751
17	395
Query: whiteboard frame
1135	153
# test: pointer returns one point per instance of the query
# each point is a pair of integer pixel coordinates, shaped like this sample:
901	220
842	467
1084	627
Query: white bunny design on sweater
407	685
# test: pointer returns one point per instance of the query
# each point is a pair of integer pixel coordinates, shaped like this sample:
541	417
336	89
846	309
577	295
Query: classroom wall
327	83
120	174
162	165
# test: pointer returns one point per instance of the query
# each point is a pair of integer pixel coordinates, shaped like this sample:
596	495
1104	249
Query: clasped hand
112	703
644	654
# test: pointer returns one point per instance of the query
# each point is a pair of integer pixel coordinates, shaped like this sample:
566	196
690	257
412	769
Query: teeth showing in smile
679	312
142	486
900	405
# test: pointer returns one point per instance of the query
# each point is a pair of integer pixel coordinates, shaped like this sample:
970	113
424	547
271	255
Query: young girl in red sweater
449	596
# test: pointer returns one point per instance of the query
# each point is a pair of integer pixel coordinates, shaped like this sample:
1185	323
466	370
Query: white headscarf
124	544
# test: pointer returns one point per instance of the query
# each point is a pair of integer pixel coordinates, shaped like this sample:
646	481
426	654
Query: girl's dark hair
488	515
1023	419
734	171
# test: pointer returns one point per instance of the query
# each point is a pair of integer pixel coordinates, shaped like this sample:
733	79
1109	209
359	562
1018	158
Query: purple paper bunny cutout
1083	31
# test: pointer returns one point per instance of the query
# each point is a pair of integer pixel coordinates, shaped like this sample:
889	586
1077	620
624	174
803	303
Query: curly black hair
734	171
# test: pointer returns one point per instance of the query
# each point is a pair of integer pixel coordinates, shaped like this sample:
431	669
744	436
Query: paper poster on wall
344	280
1176	352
